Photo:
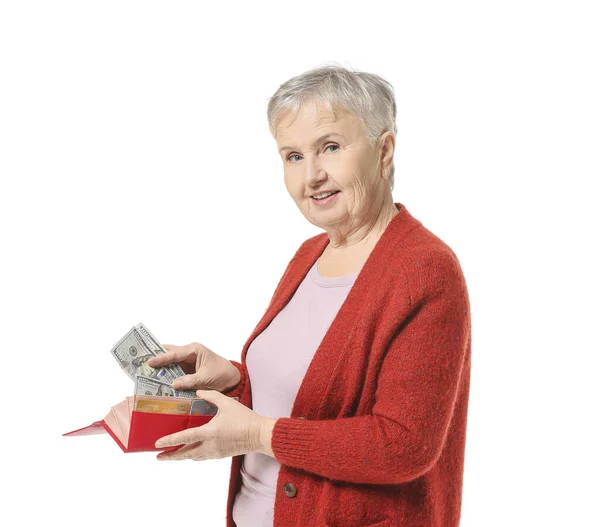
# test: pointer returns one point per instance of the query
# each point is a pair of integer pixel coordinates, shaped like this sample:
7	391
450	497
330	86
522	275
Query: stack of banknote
132	353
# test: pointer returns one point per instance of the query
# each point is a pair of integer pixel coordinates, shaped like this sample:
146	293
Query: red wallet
136	431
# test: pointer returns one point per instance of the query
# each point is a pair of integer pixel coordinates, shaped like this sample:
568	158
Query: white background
139	182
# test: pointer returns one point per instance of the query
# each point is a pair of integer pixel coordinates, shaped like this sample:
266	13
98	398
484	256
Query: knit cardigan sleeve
401	439
237	390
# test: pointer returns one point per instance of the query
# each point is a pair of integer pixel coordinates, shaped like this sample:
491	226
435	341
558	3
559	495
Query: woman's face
343	161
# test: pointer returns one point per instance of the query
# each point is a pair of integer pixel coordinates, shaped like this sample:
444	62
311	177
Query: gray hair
367	96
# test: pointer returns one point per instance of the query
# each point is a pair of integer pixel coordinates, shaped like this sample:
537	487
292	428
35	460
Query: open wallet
140	420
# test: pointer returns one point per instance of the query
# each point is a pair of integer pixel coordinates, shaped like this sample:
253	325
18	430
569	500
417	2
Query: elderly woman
353	388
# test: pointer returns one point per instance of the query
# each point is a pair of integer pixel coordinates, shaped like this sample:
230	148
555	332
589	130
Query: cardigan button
289	489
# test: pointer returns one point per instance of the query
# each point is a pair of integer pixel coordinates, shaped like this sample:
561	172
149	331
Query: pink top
276	361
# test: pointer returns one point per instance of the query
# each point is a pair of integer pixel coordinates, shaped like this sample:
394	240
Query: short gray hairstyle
367	96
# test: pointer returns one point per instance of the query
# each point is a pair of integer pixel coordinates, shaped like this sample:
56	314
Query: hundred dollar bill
149	386
132	354
153	343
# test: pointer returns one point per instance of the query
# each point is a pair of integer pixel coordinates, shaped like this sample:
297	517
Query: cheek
360	191
293	184
287	179
347	168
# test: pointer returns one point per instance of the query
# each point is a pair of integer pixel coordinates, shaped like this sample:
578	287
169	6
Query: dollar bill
153	343
150	386
132	353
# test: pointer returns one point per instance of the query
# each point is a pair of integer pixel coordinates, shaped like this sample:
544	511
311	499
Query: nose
314	171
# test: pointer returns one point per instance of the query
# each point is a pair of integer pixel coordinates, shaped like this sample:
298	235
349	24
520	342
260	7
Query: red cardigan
377	432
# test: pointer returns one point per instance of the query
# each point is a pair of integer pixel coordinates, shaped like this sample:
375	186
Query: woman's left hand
234	430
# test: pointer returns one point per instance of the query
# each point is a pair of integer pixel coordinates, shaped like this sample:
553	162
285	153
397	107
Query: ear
387	145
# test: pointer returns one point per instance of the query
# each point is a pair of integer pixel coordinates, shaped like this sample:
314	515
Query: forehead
313	118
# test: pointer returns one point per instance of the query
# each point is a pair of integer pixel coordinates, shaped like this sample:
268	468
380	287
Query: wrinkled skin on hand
234	430
205	369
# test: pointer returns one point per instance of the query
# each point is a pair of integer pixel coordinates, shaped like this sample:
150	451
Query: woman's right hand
205	370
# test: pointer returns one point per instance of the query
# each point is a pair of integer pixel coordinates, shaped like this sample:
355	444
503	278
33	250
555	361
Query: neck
366	233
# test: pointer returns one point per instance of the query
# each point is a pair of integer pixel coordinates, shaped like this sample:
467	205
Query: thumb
213	399
187	382
212	396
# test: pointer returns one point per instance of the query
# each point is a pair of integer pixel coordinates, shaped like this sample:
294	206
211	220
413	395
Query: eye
289	158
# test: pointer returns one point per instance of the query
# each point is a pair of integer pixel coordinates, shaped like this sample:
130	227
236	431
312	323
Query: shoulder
430	266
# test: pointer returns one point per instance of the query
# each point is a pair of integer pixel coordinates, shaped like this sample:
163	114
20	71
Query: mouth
325	201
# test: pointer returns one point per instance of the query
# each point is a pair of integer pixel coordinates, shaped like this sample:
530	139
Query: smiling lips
327	200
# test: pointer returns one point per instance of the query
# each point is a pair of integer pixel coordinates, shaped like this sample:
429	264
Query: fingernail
159	444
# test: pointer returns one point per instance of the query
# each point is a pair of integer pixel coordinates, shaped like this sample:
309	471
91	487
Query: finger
185	437
168	347
175	355
192	451
212	396
187	382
